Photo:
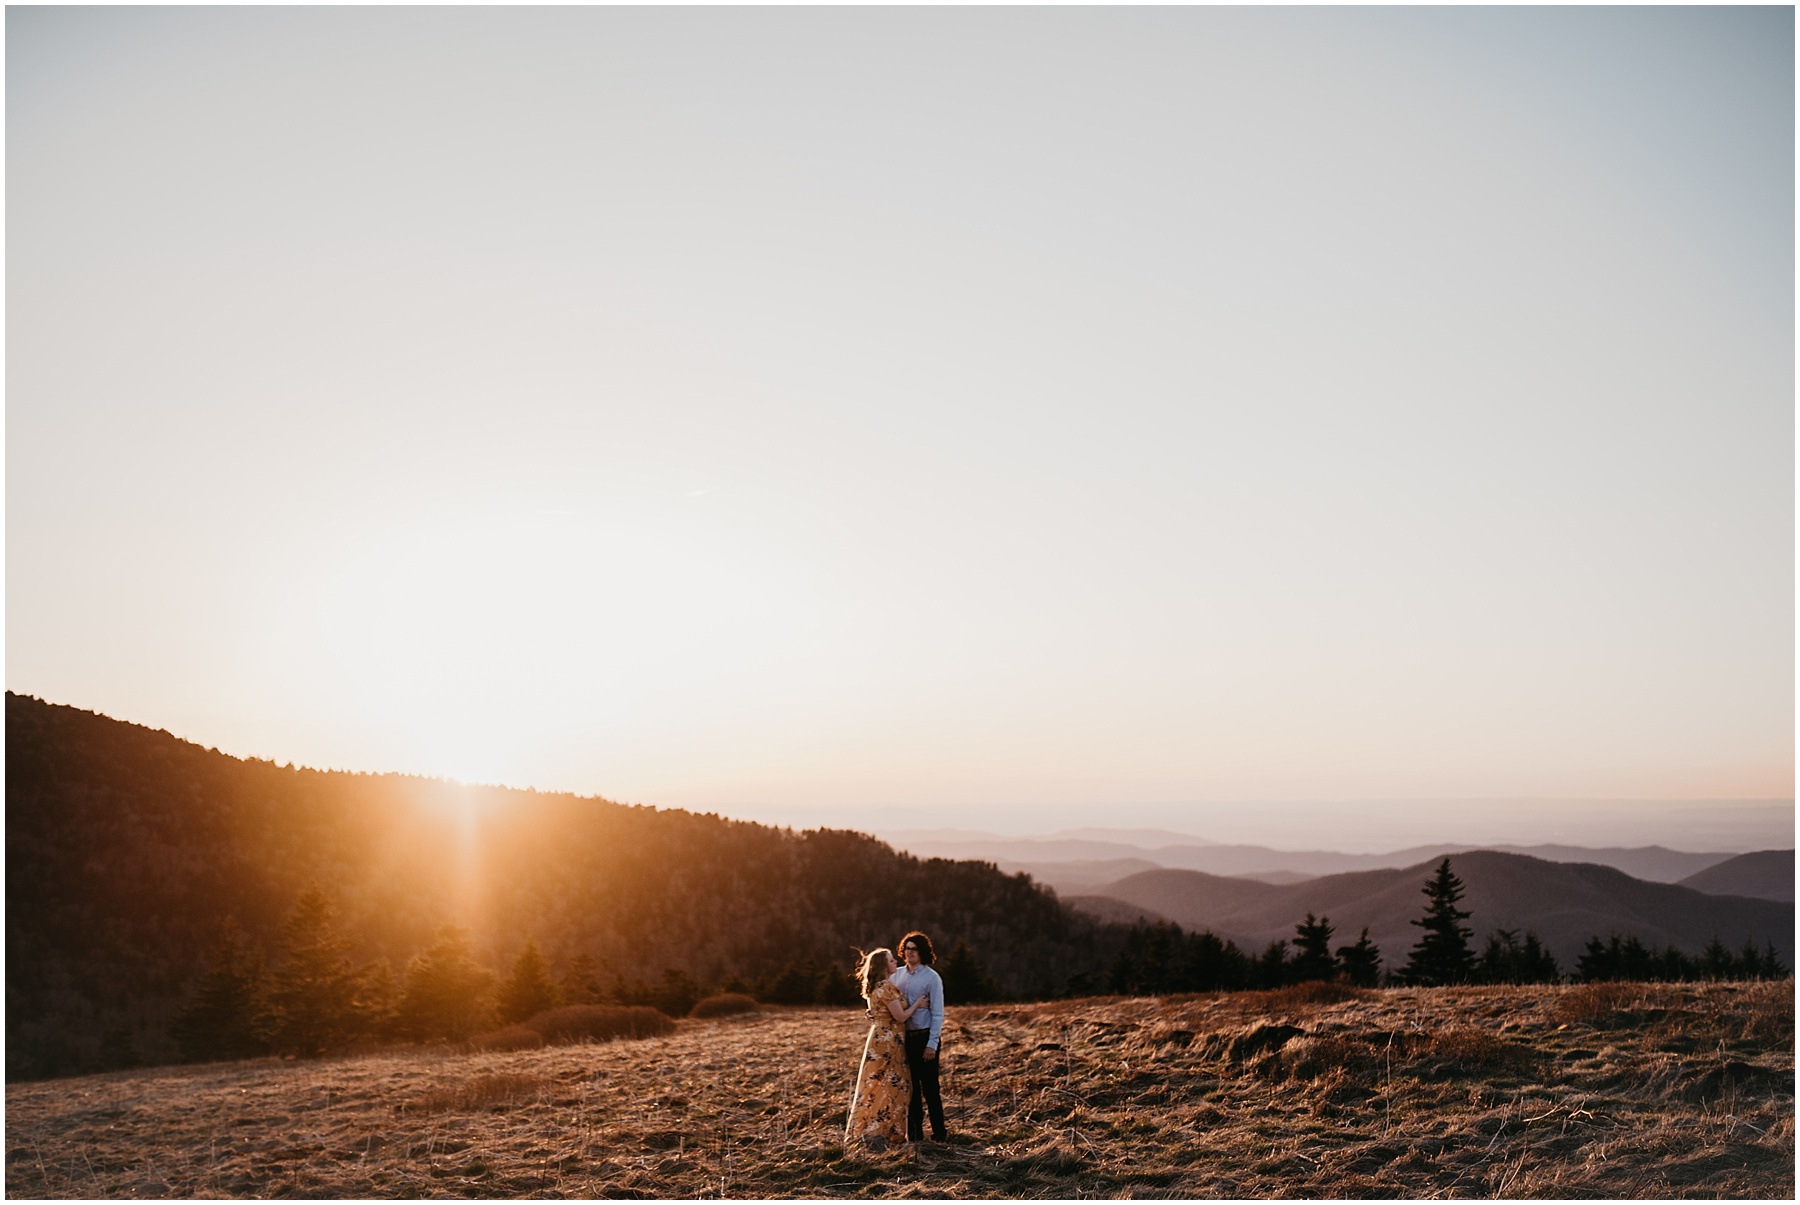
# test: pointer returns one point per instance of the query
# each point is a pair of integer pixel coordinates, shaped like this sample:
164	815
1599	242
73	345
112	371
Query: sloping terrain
1076	877
1767	874
1564	904
1610	1090
126	848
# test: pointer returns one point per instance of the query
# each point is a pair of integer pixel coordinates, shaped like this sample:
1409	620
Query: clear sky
1012	418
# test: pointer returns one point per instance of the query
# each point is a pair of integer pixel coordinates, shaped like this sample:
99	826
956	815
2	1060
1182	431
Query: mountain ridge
1565	904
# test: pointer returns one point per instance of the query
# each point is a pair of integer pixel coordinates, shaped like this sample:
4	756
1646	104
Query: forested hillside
128	849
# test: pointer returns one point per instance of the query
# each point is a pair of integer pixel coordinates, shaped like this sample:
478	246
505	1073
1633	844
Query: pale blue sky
996	414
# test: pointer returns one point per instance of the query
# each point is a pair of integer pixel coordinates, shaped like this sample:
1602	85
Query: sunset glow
1154	411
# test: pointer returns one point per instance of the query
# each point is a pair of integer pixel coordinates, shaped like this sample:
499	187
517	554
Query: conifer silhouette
1312	941
1361	963
966	980
1442	955
528	991
446	990
581	981
313	993
1509	960
226	1017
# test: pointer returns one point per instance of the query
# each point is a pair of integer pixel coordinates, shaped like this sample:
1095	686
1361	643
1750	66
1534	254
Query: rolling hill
1563	903
126	848
1767	874
1067	857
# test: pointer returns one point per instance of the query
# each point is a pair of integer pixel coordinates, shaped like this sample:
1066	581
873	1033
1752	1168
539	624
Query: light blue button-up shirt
923	982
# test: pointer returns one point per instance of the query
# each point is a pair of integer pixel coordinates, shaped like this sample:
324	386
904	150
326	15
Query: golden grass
478	1093
600	1023
1681	1090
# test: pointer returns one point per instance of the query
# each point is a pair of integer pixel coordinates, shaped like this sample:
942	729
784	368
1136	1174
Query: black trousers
924	1089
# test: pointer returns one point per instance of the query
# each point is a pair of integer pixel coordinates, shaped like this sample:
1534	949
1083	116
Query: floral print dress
883	1085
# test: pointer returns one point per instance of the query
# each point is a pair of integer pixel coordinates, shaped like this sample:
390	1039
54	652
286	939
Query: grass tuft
478	1093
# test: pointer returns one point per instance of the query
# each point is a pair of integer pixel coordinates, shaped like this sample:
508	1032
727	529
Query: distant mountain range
1767	874
1078	861
1563	903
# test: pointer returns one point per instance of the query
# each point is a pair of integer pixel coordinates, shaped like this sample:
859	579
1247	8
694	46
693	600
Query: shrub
513	1037
728	1005
600	1023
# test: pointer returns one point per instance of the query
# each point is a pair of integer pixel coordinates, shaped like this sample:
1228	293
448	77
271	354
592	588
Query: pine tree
581	981
836	986
226	1016
313	993
378	1001
795	985
446	990
1274	969
1509	960
528	990
1312	938
966	980
1361	963
1442	955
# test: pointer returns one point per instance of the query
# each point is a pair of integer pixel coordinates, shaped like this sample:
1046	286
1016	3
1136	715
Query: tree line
1161	958
313	998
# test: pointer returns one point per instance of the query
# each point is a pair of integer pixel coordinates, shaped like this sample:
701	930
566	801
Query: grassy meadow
1626	1090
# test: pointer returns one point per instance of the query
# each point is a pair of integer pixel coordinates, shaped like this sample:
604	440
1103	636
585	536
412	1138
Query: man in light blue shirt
923	1030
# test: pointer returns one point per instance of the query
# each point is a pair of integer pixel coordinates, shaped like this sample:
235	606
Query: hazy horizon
997	416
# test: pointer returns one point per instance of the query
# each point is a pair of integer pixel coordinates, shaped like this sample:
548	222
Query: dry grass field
1604	1091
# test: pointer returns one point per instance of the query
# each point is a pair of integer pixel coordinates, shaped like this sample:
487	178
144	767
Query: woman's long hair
873	971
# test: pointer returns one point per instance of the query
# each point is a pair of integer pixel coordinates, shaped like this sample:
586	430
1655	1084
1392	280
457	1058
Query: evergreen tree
795	985
1274	969
379	1001
1361	963
225	1018
1716	961
1442	954
528	990
966	980
446	996
313	993
581	981
836	986
1152	961
676	993
1216	965
1509	960
1312	940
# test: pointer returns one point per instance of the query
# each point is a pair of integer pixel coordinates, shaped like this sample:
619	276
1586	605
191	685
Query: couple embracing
900	1058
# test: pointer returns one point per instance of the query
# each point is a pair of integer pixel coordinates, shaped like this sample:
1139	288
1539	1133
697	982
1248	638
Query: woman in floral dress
883	1085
